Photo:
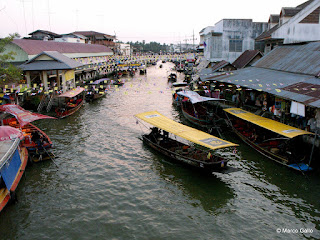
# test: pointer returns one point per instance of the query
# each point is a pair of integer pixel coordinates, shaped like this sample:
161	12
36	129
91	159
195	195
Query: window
235	45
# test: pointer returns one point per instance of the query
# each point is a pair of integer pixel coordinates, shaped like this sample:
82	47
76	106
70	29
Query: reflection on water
108	185
200	188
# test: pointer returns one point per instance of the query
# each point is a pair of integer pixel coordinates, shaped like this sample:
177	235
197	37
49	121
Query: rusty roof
220	65
245	58
33	47
302	59
267	34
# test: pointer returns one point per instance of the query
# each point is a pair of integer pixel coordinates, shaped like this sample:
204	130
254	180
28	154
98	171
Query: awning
23	116
188	133
278	83
195	97
72	93
269	124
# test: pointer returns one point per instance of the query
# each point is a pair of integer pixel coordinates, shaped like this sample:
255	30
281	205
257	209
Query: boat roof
191	134
72	93
195	97
100	81
269	124
23	116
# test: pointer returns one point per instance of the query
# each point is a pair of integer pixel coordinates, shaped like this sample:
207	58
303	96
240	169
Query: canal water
105	184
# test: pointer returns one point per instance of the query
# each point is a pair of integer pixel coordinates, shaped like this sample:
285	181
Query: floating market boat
35	140
96	90
13	161
194	109
277	141
70	102
202	153
172	77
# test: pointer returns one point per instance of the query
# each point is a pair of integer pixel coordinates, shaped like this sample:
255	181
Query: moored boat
194	109
13	161
96	90
277	141
172	77
69	102
35	140
202	153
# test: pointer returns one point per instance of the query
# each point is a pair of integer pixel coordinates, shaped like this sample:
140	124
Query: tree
8	72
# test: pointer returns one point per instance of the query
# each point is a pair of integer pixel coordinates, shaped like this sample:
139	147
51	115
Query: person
311	124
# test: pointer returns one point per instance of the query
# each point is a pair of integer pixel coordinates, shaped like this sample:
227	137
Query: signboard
297	108
69	75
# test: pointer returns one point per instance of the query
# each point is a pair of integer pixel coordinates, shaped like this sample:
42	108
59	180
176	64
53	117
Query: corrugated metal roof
245	58
33	47
271	81
46	32
59	62
303	59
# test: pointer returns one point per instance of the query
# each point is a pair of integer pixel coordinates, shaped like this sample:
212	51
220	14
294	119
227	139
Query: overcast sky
165	21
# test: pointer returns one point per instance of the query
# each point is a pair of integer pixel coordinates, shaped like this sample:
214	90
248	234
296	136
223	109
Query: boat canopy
191	134
72	93
195	97
269	124
96	82
10	133
23	116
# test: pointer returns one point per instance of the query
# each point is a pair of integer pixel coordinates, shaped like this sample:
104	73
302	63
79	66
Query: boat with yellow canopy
202	153
275	140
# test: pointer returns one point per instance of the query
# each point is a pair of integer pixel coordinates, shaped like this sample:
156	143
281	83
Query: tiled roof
245	58
33	47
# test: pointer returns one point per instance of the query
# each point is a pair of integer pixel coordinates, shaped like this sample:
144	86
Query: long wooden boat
277	141
194	109
35	140
70	102
13	161
202	153
96	90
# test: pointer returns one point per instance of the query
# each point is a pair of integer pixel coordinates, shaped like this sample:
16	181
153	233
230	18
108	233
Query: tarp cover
272	125
10	133
72	93
23	116
195	97
188	133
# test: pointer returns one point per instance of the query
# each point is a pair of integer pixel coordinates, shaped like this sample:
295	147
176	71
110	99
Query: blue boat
13	161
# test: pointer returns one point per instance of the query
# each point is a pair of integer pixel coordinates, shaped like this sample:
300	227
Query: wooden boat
35	140
13	161
96	90
142	69
277	141
70	102
205	157
194	109
172	77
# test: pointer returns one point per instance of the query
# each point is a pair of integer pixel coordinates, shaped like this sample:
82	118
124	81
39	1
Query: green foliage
149	47
8	72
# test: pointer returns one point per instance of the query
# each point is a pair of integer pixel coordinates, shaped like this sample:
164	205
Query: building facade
230	37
